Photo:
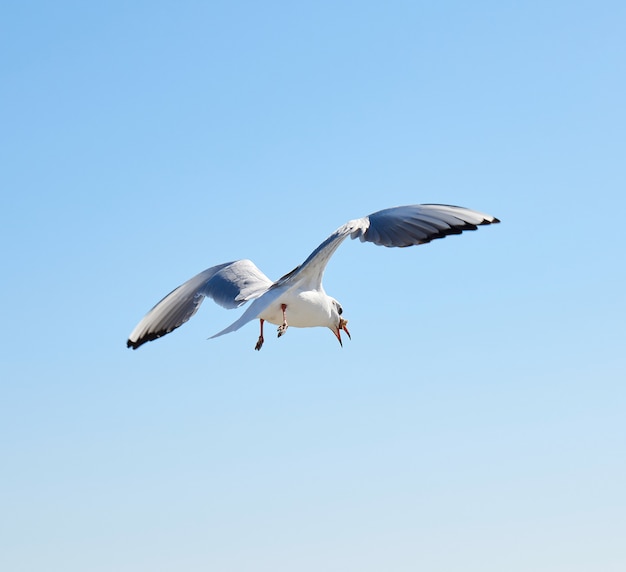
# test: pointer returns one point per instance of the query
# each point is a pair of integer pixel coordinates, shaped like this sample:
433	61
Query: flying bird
298	298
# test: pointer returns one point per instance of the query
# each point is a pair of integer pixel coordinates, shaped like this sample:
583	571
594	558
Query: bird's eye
340	310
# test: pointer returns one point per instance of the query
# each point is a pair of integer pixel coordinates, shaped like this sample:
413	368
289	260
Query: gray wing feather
230	285
236	283
419	224
395	227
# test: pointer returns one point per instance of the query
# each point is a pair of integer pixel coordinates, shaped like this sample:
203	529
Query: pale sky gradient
475	422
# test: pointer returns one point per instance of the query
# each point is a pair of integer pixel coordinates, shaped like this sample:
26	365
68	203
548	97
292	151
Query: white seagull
298	298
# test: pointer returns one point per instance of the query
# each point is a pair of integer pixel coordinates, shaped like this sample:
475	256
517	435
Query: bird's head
338	323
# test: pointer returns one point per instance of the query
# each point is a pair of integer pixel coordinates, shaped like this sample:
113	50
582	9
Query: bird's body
298	299
307	309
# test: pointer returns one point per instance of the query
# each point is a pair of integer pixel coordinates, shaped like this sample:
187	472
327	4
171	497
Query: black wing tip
134	344
490	220
484	222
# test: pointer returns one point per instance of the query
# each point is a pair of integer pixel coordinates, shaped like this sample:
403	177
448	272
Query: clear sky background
475	422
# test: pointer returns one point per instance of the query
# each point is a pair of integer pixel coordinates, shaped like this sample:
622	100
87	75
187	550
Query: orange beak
342	326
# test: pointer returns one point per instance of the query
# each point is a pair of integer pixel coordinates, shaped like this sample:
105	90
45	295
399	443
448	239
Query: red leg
259	343
283	328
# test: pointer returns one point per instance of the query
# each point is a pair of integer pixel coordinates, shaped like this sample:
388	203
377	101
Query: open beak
342	326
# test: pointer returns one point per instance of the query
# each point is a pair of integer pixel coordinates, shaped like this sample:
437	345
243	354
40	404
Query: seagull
298	298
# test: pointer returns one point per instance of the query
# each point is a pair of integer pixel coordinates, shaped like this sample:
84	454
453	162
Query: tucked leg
259	343
283	327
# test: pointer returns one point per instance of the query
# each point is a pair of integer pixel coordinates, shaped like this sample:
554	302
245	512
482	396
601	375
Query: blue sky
476	419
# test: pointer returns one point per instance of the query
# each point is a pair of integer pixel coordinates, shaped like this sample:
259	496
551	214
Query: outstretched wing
398	226
230	285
